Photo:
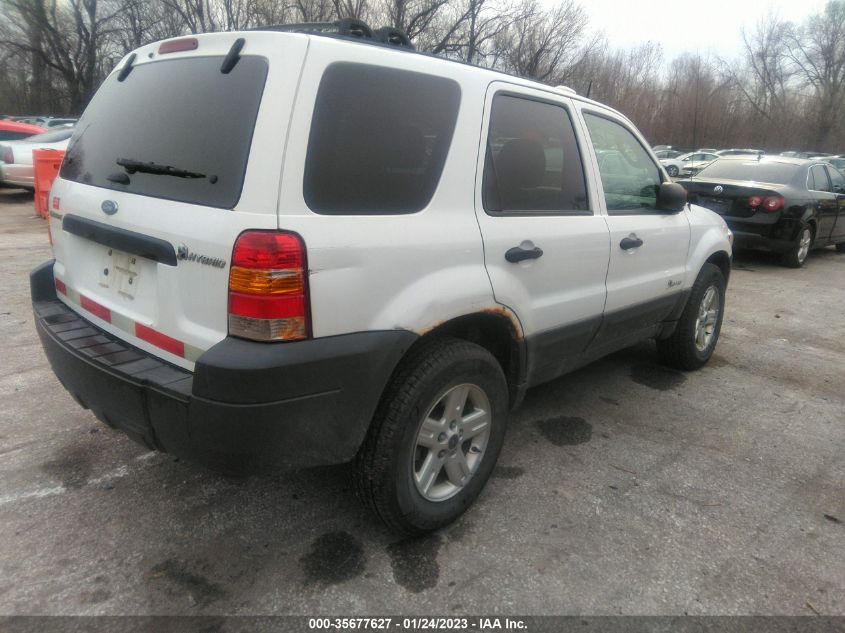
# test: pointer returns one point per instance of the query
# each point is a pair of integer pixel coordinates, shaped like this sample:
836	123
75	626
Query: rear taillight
268	287
772	203
8	156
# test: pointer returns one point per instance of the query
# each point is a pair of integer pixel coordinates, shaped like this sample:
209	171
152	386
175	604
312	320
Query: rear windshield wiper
131	166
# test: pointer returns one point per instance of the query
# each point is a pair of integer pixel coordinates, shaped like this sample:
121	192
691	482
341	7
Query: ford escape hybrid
285	248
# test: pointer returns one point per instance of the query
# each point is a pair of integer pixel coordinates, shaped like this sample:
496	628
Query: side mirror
671	197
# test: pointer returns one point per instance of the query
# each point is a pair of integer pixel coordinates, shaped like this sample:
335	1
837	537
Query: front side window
379	139
532	164
629	177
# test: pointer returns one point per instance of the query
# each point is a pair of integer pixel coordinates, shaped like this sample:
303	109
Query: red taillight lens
176	46
268	290
773	203
8	156
755	201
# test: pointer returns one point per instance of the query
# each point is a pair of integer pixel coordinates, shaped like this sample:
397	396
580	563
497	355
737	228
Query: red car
14	131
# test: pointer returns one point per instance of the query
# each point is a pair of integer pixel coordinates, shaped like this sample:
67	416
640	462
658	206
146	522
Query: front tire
692	343
797	255
435	437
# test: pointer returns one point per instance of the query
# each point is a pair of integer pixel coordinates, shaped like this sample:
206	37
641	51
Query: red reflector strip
61	287
56	203
95	308
185	44
160	340
266	307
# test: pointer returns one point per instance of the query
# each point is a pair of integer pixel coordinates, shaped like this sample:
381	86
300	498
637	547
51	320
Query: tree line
786	90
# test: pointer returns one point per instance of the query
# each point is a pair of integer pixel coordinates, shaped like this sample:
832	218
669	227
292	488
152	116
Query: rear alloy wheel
451	441
435	437
692	343
672	171
796	257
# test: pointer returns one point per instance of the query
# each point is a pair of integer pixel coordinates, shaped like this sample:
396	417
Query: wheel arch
497	330
723	261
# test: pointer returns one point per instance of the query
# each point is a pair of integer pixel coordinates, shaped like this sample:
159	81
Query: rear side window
533	165
182	113
837	179
818	179
379	139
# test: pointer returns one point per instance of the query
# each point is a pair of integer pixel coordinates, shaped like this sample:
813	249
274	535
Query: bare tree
817	49
540	43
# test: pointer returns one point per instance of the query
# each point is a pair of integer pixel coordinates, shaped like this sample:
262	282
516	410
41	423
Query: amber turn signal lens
266	282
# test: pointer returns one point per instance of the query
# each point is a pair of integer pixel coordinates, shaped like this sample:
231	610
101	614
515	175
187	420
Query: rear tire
797	255
427	455
840	248
692	343
672	171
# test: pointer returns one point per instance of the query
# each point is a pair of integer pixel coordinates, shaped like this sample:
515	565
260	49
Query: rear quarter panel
387	272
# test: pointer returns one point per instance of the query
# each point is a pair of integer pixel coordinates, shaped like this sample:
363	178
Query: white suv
276	248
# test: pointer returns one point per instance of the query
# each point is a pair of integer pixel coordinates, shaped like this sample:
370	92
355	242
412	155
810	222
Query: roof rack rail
346	28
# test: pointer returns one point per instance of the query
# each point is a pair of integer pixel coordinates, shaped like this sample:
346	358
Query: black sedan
785	205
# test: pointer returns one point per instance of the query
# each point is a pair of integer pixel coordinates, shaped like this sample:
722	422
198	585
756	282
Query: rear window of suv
182	113
379	139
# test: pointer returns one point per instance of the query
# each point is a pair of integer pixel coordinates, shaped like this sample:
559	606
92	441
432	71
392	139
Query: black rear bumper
247	407
779	237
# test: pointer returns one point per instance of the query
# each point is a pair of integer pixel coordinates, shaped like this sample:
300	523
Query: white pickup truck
289	247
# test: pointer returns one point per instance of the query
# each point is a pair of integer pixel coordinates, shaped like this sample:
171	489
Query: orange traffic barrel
46	163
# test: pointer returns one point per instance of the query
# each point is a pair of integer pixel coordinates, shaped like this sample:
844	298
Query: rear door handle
518	254
632	241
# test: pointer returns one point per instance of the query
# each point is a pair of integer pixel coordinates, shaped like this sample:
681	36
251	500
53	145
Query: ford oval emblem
109	207
716	189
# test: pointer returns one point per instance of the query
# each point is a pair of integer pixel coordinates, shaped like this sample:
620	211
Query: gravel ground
623	488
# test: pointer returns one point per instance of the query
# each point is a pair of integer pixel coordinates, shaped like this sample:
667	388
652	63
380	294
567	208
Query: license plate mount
119	272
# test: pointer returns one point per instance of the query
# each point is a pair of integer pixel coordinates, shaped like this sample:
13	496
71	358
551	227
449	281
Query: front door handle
632	241
518	254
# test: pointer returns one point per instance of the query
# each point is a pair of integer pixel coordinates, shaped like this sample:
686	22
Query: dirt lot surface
622	488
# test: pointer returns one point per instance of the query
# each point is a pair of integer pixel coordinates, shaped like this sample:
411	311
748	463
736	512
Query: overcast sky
705	26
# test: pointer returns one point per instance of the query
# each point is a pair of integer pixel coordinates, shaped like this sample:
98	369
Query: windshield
182	113
777	173
51	137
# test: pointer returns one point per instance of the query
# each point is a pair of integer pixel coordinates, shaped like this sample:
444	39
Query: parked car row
16	164
41	121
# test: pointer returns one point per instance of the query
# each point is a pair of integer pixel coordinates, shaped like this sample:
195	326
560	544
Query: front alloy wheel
694	338
708	316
